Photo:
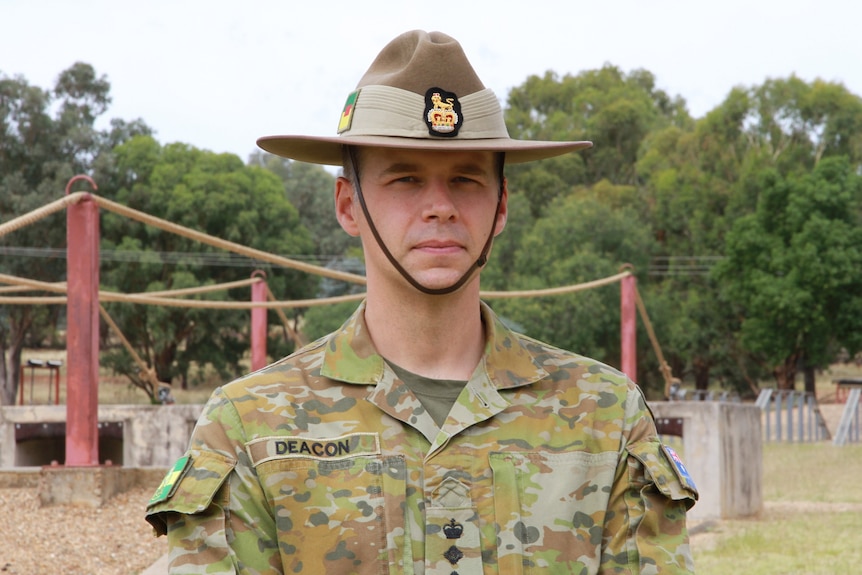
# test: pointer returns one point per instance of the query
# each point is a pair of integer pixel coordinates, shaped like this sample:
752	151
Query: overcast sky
219	74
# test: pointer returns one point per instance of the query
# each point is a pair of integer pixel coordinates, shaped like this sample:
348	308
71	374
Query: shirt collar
350	355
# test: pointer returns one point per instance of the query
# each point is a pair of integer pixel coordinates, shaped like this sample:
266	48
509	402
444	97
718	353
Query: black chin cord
483	257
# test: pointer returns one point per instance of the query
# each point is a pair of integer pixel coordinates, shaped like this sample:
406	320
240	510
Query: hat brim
328	150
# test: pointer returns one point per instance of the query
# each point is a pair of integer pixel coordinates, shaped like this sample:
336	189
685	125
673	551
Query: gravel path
111	540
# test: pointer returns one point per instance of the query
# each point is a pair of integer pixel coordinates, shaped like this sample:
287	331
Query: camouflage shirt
326	463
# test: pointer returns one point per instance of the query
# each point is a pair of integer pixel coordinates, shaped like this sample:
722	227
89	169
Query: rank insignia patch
442	113
347	112
679	467
171	480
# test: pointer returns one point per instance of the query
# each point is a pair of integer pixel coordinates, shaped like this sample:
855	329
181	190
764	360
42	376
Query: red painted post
82	333
258	322
628	327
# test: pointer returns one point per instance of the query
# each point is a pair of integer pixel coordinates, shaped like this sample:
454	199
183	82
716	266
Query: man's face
433	210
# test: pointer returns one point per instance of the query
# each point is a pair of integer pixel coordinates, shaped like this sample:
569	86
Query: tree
699	181
792	268
309	188
585	236
613	109
46	137
213	193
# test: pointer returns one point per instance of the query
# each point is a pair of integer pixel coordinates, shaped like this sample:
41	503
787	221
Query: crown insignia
442	113
453	530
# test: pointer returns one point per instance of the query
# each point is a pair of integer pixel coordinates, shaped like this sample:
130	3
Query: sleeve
210	504
646	529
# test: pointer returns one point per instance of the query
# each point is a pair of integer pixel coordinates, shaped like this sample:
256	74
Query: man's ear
345	206
503	212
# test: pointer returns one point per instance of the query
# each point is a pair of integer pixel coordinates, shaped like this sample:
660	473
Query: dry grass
113	389
811	523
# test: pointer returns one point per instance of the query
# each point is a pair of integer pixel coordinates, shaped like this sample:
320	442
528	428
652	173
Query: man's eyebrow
399	168
469	168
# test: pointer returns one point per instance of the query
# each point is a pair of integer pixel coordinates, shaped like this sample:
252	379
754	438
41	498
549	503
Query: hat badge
442	113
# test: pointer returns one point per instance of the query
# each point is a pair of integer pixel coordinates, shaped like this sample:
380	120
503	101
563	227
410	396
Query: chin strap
481	261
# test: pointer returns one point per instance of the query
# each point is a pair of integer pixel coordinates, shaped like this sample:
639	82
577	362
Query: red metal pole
82	335
628	327
258	323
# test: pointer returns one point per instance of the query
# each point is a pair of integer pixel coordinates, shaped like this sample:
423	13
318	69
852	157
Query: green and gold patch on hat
347	112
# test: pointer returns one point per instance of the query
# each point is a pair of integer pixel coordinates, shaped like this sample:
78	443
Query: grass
811	523
112	389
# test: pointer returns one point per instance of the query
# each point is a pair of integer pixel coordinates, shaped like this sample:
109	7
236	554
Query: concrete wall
152	435
722	449
722	445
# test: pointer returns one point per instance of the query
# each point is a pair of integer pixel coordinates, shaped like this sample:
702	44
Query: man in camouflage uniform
424	436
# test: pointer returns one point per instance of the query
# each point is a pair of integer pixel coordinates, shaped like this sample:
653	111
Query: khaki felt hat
419	93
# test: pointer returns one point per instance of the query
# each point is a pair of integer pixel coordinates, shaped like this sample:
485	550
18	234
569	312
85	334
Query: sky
217	74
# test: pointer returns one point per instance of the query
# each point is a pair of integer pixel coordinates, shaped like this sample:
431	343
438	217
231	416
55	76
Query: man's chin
442	278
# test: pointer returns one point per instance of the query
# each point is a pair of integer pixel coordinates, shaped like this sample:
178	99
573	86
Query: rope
40	213
108	296
202	289
165	297
145	369
33	300
299	341
555	291
663	365
17	288
58	287
224	244
148	298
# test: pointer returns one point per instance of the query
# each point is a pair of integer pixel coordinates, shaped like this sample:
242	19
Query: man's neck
440	336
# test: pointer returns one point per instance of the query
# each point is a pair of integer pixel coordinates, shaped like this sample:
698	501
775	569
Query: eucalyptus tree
46	137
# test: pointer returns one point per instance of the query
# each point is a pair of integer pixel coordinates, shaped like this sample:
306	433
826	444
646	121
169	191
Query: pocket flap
189	487
666	470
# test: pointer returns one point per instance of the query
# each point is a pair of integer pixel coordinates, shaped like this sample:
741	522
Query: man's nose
439	202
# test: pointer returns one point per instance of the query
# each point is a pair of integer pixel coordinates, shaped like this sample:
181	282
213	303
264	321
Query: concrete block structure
723	450
136	436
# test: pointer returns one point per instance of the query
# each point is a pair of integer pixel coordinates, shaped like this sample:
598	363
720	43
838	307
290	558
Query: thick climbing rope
292	333
225	244
555	291
167	297
663	365
148	373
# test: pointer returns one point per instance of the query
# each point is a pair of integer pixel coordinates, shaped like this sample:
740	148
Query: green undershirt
437	396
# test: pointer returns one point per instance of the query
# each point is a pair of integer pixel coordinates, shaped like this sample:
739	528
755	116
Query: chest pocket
337	510
549	510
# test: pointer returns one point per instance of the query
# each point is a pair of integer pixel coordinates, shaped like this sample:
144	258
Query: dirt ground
111	540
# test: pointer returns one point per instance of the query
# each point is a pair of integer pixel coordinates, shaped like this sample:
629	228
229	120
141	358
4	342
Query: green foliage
614	110
585	238
310	188
792	267
213	193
